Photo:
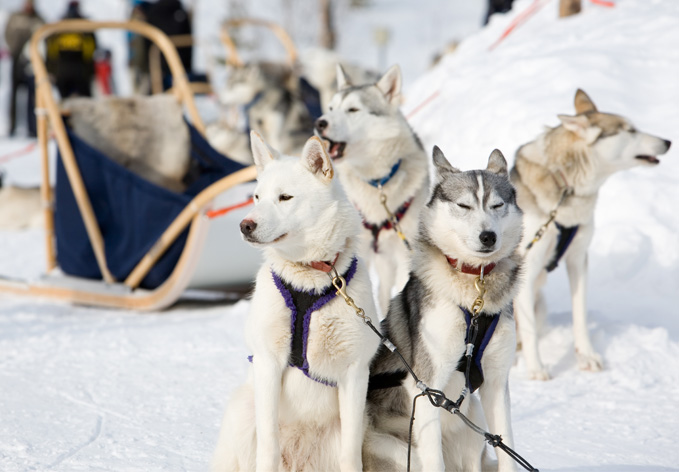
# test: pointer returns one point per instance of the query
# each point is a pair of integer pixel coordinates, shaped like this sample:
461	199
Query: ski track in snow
105	390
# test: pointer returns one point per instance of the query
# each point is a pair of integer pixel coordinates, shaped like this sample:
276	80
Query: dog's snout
247	227
321	124
488	238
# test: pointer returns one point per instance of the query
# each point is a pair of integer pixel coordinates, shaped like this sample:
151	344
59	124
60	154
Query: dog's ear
342	80
581	126
390	84
583	103
316	159
441	164
262	153
497	163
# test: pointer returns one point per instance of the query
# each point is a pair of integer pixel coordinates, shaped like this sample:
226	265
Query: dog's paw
539	374
589	361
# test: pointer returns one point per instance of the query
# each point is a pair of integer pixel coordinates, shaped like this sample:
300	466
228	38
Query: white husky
562	171
378	156
469	235
302	407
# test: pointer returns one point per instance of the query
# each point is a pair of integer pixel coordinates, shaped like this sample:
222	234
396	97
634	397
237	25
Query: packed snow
94	389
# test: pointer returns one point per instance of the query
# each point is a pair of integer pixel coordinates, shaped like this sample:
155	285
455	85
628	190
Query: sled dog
562	170
303	405
267	97
378	156
468	234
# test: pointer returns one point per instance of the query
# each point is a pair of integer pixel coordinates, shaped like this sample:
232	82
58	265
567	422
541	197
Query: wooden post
569	7
327	28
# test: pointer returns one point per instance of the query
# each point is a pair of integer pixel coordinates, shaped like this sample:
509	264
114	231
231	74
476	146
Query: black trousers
21	79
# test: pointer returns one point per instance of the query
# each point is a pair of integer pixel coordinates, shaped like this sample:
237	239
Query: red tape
18	153
603	3
223	211
520	18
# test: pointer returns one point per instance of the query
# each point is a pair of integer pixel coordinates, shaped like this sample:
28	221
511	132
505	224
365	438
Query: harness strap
377	183
376	229
303	304
486	327
566	236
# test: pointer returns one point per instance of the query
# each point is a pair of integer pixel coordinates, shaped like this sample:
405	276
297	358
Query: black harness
485	327
566	235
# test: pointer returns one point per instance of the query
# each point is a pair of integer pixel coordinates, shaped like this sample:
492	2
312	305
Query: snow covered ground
92	389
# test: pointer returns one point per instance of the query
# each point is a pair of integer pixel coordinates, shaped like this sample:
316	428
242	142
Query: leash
436	397
566	191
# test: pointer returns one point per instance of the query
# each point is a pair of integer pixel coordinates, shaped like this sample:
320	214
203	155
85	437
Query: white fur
281	419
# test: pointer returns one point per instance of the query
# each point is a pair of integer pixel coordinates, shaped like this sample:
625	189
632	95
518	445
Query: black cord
438	399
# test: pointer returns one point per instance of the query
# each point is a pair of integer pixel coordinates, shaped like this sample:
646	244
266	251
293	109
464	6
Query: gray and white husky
469	231
377	155
569	164
302	407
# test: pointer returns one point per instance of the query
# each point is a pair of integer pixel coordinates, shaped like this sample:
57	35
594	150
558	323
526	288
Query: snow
94	389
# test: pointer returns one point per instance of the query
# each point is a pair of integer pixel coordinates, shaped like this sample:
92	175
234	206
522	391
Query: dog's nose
668	143
321	124
488	238
247	227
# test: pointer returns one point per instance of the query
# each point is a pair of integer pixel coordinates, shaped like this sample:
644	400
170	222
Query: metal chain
567	191
392	217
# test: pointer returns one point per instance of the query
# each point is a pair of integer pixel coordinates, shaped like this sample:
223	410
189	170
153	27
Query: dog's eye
256	197
330	108
499	205
352	110
284	197
464	207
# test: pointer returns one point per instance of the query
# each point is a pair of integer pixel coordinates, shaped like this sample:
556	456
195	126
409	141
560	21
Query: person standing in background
497	6
20	28
70	58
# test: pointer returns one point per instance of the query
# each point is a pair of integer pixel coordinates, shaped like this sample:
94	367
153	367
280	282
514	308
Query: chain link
392	217
567	191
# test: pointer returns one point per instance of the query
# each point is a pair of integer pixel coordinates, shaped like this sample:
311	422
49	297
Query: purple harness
305	303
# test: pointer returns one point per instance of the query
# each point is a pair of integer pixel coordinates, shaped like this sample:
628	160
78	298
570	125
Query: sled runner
115	239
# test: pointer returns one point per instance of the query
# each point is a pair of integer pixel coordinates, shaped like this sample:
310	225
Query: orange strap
603	3
223	211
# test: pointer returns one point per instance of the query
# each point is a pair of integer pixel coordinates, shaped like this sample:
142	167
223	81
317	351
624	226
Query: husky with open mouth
557	178
383	168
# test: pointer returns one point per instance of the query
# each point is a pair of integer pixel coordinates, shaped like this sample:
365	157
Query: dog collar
324	266
471	270
377	183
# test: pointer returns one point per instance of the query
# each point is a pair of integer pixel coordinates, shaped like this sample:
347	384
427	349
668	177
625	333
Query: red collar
467	269
324	266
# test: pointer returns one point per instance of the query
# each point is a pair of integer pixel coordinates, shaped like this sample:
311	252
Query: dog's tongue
335	150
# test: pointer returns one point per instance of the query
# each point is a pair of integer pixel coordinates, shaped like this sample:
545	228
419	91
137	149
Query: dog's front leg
353	388
495	401
427	433
576	264
267	380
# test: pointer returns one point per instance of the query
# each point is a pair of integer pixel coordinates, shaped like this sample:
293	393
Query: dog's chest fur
336	338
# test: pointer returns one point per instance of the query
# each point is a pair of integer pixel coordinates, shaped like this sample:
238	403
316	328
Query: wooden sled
233	57
126	293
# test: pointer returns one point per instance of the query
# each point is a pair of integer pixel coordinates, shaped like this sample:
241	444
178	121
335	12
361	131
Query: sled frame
109	292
